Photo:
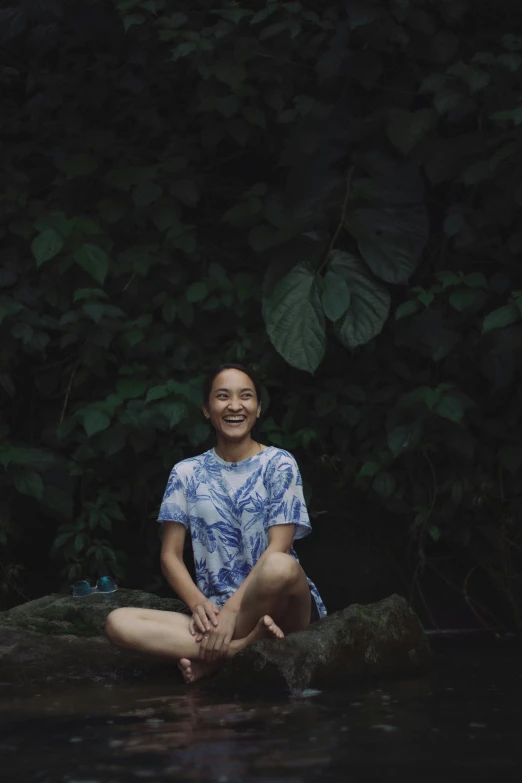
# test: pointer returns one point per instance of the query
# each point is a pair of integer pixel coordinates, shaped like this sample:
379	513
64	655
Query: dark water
464	723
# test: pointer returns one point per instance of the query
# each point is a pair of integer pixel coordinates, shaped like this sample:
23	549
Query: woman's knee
115	624
279	571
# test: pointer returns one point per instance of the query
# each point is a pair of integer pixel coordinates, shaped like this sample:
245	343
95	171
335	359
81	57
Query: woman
243	504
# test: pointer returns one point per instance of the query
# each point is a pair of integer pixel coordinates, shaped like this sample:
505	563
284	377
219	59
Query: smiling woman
243	504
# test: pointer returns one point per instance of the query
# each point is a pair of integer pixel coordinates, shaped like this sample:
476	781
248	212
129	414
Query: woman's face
233	406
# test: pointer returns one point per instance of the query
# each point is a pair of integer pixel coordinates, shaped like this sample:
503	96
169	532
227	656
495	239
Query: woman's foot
265	628
193	670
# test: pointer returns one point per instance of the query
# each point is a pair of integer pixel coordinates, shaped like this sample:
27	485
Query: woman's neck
235	452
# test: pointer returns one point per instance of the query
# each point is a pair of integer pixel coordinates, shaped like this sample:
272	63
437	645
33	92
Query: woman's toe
185	667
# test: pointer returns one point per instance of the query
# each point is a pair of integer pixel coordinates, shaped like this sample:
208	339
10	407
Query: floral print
228	508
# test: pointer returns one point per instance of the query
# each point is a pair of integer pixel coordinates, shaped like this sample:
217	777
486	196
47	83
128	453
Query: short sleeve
174	507
286	503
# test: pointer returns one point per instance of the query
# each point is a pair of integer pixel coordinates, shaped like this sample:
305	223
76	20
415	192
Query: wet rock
28	658
64	614
58	638
359	643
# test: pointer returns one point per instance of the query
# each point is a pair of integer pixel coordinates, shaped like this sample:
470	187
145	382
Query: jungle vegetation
329	192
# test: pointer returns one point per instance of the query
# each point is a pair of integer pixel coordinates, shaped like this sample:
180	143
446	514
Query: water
465	721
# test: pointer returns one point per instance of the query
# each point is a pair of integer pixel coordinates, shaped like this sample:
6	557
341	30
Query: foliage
176	174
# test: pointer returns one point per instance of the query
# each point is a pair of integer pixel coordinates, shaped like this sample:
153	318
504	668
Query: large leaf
369	301
295	321
46	245
94	260
335	296
390	239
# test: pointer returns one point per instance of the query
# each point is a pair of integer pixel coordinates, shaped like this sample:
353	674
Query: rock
28	658
45	639
64	614
53	638
359	643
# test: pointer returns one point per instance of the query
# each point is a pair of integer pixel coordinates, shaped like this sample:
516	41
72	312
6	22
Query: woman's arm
280	539
174	569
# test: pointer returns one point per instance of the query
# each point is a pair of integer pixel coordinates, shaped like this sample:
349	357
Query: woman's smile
234	421
232	404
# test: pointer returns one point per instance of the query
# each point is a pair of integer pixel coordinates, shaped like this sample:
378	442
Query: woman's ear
259	410
206	414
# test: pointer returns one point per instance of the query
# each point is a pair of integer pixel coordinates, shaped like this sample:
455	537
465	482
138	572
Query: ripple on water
162	732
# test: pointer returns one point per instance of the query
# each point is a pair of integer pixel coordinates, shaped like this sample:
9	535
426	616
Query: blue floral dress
228	508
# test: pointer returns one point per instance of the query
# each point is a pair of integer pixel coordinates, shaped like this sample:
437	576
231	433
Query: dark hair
209	380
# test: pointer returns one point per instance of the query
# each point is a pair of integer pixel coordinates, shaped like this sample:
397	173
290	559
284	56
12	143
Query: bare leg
193	669
279	589
278	594
276	601
166	635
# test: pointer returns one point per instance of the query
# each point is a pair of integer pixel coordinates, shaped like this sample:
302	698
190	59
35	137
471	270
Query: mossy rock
58	614
44	640
357	644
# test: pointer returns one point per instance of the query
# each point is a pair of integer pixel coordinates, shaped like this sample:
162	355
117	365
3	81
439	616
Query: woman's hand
203	619
215	643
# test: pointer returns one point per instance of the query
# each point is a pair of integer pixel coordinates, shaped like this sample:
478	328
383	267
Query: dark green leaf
169	311
196	292
369	302
335	296
465	298
410	307
94	260
129	388
172	411
146	193
448	99
405	438
94	421
131	19
186	191
384	485
451	407
46	245
475	280
94	310
391	240
475	78
89	293
156	393
369	469
405	129
326	403
447	279
28	482
294	319
502	316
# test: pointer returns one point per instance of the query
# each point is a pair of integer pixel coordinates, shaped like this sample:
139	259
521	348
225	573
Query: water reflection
466	718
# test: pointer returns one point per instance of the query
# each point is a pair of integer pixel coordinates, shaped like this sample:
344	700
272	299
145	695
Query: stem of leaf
341	221
68	391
